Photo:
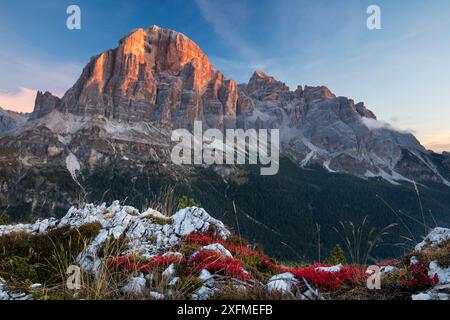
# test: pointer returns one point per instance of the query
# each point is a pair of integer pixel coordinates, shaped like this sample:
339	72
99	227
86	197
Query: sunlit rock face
155	75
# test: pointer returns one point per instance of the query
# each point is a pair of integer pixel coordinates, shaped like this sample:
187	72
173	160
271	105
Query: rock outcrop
435	247
44	104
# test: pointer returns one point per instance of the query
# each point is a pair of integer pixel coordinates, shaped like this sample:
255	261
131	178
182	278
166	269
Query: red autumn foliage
388	263
200	239
347	276
418	278
235	250
218	264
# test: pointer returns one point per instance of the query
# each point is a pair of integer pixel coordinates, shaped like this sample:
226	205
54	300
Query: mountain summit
155	75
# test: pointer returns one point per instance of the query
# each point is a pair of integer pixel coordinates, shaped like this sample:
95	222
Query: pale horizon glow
438	142
21	101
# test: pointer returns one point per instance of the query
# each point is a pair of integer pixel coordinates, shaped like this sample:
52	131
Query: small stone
282	283
135	286
169	272
156	295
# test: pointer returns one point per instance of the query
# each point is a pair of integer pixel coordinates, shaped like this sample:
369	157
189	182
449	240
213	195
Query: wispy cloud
240	70
373	124
226	17
23	71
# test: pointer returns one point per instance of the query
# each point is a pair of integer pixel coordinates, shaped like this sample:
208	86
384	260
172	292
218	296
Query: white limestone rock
135	286
283	283
434	238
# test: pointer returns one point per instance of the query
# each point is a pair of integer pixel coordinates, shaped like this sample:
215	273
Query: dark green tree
186	202
337	256
4	219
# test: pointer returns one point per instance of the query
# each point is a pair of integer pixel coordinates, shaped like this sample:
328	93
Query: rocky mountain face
160	77
111	131
155	75
44	104
319	128
10	120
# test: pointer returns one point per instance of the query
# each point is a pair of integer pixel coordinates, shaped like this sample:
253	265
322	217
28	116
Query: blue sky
402	72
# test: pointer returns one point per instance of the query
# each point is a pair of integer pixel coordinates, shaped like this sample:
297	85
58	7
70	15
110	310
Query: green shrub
337	256
254	264
4	219
18	269
33	257
186	202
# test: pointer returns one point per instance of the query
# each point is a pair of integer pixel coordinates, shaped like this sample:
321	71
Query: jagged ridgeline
109	138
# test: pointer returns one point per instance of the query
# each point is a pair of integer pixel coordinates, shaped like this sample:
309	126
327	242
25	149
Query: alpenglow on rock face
155	75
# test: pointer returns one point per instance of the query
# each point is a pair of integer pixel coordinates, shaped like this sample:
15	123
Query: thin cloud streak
224	18
29	72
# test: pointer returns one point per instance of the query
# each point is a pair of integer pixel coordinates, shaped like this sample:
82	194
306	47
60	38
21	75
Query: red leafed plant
417	278
218	264
200	239
347	276
238	251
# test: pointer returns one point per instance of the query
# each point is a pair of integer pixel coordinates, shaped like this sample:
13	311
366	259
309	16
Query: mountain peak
260	74
156	75
154	28
261	83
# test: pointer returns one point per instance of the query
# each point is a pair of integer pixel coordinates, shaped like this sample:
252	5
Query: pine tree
4	219
185	202
337	256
